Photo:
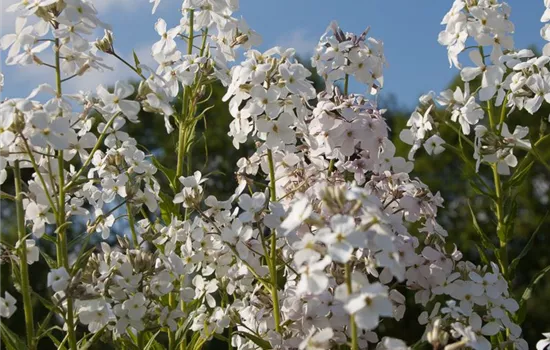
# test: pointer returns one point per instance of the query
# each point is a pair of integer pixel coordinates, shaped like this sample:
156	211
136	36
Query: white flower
166	45
6	121
58	279
49	131
313	279
112	187
470	114
515	139
278	131
388	343
29	54
23	36
205	288
116	102
369	304
192	189
341	238
299	211
95	313
33	253
135	306
170	317
434	145
251	205
470	337
317	340
7	305
543	344
504	159
155	5
541	88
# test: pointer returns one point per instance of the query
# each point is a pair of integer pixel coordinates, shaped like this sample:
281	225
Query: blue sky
409	29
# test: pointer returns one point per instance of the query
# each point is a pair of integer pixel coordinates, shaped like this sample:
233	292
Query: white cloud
302	41
8	20
103	5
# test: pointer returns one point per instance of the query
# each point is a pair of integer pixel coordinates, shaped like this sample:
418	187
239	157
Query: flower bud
106	43
143	90
239	40
83	69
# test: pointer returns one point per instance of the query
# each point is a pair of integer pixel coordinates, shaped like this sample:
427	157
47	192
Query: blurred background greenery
213	154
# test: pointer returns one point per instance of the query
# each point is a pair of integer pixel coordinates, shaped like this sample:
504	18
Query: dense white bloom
326	220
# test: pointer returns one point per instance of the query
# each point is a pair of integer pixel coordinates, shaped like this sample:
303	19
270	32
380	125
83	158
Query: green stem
129	65
171	334
181	148
96	147
273	259
502	114
501	227
346	87
346	84
353	326
490	111
22	251
183	343
184	103
499	202
132	224
141	340
62	234
39	174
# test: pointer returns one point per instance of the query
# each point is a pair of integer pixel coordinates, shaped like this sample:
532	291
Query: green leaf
257	340
63	227
487	244
528	246
167	208
137	63
482	254
518	178
520	316
82	260
10	339
57	343
52	263
47	304
152	343
49	238
169	173
86	345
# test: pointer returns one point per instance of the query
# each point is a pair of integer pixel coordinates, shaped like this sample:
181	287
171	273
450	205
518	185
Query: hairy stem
132	224
182	142
273	258
499	202
22	252
62	242
353	326
129	65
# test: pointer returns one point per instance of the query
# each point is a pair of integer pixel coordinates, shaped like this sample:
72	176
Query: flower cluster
326	235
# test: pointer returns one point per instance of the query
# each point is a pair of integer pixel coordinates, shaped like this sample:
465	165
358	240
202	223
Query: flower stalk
273	249
22	253
62	242
353	325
